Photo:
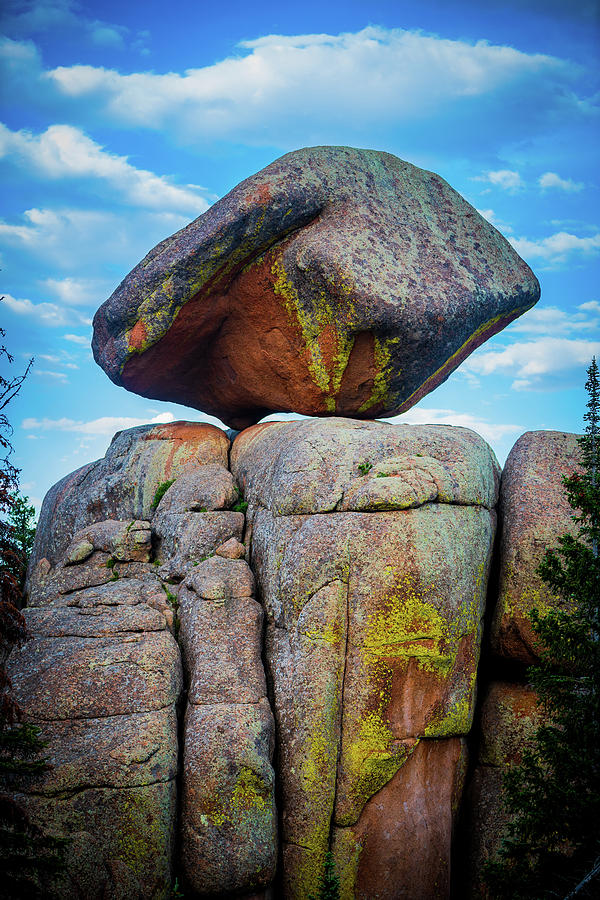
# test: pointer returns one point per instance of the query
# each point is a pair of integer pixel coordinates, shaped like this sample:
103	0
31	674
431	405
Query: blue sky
122	122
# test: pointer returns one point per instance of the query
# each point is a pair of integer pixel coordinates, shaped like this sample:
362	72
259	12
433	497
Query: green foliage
240	506
21	520
552	848
161	490
176	892
365	467
172	599
329	888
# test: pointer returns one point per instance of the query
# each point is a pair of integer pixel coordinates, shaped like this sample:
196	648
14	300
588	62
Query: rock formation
247	655
534	513
342	721
335	281
371	546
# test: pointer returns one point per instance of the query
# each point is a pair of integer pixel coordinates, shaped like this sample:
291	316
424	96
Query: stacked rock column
371	546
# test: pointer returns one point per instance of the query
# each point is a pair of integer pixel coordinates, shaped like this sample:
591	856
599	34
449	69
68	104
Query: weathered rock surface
102	683
365	548
509	718
228	815
371	545
123	484
335	281
103	675
534	513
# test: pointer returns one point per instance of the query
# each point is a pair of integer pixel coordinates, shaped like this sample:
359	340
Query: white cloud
530	362
272	87
590	306
77	339
46	313
81	240
555	321
507	179
51	375
552	180
489	431
105	425
493	219
556	248
63	151
75	291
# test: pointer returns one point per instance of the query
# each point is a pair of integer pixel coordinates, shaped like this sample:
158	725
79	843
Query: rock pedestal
245	657
371	547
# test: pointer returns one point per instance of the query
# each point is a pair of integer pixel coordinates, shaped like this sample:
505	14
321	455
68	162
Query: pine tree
329	888
21	517
552	848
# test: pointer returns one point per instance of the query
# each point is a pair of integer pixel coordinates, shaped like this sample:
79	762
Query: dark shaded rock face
534	513
230	692
334	282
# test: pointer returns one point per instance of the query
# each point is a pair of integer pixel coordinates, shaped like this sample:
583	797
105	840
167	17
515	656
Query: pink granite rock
534	513
335	281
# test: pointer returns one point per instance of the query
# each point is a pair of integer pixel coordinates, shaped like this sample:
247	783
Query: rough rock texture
123	484
509	717
335	281
534	513
103	676
371	545
366	549
228	799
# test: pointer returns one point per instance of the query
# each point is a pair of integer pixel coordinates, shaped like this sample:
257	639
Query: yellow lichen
323	318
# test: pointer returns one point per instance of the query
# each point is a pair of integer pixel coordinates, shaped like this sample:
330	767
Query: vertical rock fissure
342	704
180	709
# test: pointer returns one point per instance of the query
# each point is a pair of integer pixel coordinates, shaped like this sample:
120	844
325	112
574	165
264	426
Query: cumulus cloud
556	248
555	321
79	239
530	362
552	180
63	151
507	179
50	314
75	291
105	425
272	87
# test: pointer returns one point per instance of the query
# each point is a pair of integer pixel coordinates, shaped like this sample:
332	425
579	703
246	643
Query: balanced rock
334	282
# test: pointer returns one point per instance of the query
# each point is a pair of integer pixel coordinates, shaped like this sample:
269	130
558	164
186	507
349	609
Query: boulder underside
245	657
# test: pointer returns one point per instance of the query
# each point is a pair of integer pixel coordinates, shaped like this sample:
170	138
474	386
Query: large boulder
534	513
371	546
335	281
